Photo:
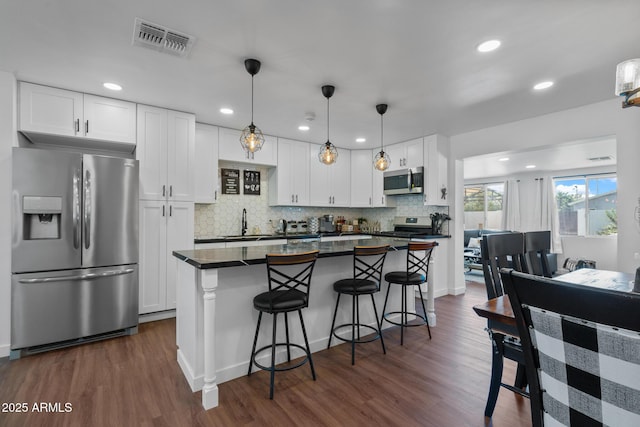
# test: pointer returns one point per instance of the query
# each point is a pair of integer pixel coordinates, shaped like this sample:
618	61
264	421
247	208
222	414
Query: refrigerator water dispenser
41	217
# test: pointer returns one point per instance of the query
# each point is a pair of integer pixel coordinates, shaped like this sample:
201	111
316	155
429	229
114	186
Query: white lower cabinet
164	228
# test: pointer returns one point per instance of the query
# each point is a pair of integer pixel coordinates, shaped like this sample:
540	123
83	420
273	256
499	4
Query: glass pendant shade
382	160
328	153
251	138
628	82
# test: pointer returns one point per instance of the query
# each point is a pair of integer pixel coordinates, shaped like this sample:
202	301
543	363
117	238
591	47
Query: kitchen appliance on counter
313	225
404	181
74	249
292	227
409	227
326	224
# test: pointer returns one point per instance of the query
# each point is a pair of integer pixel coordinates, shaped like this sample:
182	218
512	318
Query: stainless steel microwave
404	181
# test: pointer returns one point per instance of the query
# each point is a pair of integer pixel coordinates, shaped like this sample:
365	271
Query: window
483	205
587	205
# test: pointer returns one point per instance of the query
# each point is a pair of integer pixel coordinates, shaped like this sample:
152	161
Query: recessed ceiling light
503	159
361	139
225	110
303	128
488	46
112	86
530	166
543	85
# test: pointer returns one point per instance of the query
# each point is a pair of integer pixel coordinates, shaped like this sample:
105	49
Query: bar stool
367	272
418	257
289	278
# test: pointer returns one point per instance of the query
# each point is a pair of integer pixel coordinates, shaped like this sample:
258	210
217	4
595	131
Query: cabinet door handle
77	125
171	191
163	190
292	198
162	210
382	200
296	198
215	195
86	127
369	200
170	210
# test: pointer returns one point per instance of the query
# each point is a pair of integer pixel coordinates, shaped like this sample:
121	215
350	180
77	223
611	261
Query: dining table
501	323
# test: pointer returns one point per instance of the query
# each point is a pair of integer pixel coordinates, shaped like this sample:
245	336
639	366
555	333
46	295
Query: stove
409	227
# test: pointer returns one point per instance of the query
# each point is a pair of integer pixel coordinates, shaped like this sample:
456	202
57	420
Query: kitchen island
215	318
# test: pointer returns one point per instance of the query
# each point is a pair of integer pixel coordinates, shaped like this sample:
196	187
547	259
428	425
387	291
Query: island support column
209	282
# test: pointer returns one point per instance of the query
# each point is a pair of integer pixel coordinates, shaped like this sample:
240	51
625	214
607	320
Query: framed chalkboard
230	181
251	182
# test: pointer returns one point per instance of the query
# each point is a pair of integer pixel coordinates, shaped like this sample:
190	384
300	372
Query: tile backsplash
224	217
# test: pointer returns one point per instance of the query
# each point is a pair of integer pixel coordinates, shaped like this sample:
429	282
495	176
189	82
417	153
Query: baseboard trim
158	315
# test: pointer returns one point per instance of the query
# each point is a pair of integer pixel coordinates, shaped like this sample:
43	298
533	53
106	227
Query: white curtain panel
511	206
547	216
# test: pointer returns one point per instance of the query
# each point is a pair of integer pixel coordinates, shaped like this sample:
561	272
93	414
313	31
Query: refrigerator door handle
87	210
76	210
75	277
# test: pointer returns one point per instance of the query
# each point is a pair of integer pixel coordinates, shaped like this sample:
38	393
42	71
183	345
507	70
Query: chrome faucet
244	221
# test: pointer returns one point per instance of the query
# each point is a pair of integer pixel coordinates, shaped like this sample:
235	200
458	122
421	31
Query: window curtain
546	216
511	206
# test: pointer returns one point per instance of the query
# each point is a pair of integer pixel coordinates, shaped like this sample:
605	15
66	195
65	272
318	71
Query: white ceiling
574	155
418	56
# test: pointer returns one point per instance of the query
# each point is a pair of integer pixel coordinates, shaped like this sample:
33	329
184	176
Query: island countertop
234	257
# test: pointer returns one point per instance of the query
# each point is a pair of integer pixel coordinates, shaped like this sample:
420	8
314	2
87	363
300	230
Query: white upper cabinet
406	155
329	185
206	161
166	151
436	155
289	181
231	150
59	112
362	178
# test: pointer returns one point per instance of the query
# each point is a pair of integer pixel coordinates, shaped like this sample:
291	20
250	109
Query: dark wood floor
135	381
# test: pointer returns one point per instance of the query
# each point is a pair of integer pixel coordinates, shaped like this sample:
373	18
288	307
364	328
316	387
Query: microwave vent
161	39
600	158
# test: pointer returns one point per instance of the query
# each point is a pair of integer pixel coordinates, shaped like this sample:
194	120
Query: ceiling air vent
162	39
600	159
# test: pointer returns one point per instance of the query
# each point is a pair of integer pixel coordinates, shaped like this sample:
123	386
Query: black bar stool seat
289	281
418	258
367	273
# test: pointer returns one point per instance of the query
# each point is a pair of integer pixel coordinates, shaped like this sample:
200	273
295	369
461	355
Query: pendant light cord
252	99
327	119
381	134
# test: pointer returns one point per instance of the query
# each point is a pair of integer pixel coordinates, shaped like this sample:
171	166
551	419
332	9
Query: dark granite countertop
235	257
255	237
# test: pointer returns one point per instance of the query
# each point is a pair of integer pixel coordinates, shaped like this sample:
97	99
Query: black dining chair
416	273
582	350
368	262
537	245
289	277
500	251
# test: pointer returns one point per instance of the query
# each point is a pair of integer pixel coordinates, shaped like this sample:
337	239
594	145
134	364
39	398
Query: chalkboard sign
230	181
252	182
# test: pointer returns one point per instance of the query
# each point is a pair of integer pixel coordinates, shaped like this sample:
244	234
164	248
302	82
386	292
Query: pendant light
251	138
382	160
328	153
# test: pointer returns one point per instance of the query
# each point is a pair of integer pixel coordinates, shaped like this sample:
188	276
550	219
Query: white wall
589	121
7	140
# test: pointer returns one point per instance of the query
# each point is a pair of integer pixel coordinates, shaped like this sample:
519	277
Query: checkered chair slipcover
582	351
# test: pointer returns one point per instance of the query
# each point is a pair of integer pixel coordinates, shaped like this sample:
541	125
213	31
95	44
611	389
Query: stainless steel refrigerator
74	248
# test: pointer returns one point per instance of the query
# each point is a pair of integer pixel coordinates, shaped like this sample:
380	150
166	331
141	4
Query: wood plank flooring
136	381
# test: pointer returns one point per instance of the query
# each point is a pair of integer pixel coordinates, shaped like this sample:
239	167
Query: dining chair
537	245
582	359
289	277
498	251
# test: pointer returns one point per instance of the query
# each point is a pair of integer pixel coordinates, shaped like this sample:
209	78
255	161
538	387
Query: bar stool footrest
417	316
287	368
359	340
